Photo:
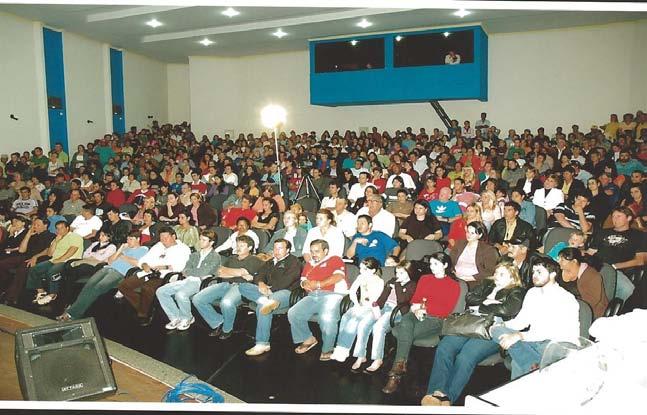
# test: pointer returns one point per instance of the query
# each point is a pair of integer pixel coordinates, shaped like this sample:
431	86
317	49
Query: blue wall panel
117	85
403	84
55	85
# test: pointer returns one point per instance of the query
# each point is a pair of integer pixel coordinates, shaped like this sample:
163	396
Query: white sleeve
152	255
306	244
96	223
336	242
228	244
178	258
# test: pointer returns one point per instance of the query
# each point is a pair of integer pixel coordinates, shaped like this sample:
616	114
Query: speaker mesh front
67	373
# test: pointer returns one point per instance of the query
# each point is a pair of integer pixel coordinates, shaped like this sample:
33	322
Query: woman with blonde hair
457	229
456	357
490	209
471	182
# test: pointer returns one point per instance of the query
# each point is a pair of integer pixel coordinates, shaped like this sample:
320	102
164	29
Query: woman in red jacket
434	299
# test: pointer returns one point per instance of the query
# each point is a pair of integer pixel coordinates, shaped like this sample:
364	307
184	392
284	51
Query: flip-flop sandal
303	348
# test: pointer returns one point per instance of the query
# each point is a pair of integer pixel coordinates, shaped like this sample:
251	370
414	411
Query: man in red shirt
115	196
137	197
230	216
324	280
197	185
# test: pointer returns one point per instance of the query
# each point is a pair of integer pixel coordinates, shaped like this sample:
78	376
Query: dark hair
67	225
367	218
445	259
373	264
210	234
152	213
287	243
133	234
244	219
549	264
571	254
322	243
513	205
247	240
167	229
479	227
423	203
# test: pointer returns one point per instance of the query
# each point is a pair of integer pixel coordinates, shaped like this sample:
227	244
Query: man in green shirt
62	155
67	245
39	163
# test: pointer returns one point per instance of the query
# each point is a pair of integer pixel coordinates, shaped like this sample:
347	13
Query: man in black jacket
509	227
271	291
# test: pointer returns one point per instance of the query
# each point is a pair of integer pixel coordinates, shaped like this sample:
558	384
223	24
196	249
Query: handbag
468	325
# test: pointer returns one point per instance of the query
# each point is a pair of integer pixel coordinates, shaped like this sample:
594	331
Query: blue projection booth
399	67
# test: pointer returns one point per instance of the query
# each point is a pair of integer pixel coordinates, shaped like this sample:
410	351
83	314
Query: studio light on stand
274	116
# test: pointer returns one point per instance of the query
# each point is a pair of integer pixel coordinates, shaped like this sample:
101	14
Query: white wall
542	78
85	65
21	48
179	94
145	87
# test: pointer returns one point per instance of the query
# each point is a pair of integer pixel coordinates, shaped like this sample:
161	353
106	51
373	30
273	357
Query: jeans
380	328
264	321
179	292
42	272
624	286
524	354
410	328
100	283
230	299
455	361
326	305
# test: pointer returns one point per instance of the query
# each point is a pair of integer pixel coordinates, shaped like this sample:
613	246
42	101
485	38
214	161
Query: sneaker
258	350
269	307
172	325
185	324
119	295
339	354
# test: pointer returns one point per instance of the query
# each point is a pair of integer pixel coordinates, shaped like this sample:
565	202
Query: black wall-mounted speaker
63	362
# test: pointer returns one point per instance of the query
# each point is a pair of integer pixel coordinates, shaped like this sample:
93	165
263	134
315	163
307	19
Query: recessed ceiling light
364	24
279	33
206	42
154	23
231	12
354	42
399	38
446	34
461	13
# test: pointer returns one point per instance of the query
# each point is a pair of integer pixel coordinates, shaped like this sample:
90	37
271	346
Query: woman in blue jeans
456	356
359	319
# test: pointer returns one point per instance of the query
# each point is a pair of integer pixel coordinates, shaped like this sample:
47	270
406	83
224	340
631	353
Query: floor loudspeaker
63	362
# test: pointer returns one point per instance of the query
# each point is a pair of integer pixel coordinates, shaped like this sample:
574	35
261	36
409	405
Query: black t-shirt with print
614	246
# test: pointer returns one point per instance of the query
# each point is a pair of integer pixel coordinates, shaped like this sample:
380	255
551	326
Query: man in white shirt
482	124
168	255
383	220
329	202
357	190
406	178
549	197
87	224
345	220
175	297
552	314
229	176
242	228
418	161
452	58
25	205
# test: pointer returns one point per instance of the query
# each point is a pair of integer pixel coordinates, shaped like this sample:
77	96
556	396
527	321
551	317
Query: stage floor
133	385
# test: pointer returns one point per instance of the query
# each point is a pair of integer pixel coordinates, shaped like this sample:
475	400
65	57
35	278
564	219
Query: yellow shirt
641	126
69	240
611	130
